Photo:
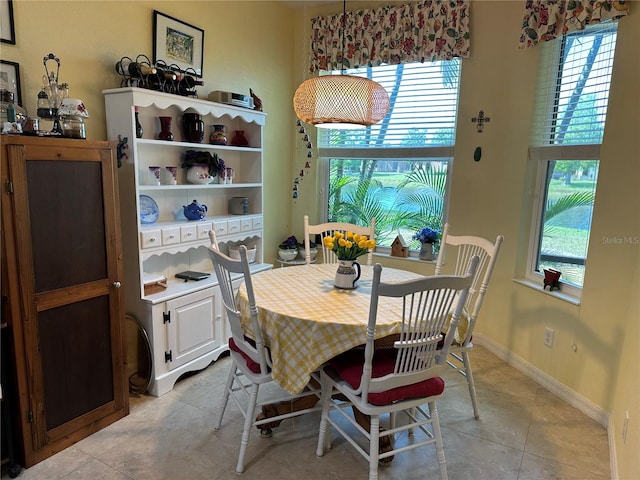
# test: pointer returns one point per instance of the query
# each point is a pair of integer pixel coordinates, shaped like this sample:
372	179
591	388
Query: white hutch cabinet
184	321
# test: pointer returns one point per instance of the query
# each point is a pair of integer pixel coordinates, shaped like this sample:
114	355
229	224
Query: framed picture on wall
10	76
7	28
177	43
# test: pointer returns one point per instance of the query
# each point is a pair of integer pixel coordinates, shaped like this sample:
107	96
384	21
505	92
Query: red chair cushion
252	365
349	366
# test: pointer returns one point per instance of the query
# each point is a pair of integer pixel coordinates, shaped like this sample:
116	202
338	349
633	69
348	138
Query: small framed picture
10	76
7	28
177	43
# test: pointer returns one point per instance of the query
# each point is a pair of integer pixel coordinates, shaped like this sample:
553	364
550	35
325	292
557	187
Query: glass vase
165	129
239	139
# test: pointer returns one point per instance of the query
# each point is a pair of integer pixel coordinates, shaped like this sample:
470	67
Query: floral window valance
547	19
416	32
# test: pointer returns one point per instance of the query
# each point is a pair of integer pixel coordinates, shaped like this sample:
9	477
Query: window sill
413	257
559	294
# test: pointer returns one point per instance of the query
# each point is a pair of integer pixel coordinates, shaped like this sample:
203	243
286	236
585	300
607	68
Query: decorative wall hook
121	149
480	120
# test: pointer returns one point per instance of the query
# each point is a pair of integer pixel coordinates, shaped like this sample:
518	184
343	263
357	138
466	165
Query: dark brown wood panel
67	227
76	369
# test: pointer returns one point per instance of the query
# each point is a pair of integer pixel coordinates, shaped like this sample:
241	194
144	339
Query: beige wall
247	45
262	45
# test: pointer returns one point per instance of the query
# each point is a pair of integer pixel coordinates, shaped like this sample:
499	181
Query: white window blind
424	105
572	101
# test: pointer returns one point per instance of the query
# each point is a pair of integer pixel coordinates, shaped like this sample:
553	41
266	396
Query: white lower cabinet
192	332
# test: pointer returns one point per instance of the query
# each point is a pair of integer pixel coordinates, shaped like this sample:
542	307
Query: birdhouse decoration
399	247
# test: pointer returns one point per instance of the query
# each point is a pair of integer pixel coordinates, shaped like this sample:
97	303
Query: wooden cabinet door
68	258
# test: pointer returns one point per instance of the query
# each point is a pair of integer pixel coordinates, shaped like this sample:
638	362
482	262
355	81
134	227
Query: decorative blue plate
149	212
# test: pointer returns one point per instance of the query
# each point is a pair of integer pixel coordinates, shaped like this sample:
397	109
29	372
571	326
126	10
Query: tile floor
524	432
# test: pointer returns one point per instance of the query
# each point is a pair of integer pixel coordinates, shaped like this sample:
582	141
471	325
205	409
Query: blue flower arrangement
427	235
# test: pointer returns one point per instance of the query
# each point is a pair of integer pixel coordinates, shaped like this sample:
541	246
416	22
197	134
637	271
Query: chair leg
225	397
248	423
374	441
323	434
470	383
437	433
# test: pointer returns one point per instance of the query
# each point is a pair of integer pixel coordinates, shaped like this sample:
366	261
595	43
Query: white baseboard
554	386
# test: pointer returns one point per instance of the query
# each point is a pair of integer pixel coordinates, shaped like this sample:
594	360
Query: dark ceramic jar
192	127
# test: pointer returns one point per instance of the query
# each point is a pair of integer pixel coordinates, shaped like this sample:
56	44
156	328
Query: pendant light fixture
341	101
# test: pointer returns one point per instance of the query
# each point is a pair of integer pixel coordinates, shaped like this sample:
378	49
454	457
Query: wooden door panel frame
42	443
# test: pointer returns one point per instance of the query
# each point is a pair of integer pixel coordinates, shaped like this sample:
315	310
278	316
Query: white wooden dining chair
399	379
251	365
467	247
327	230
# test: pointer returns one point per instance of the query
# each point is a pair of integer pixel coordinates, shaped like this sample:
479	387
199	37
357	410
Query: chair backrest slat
426	304
328	229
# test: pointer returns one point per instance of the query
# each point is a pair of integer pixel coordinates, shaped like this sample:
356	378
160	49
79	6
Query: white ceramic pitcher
347	274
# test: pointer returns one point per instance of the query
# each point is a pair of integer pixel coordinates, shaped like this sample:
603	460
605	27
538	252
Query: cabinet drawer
170	236
220	227
257	222
203	230
150	238
246	224
188	233
233	226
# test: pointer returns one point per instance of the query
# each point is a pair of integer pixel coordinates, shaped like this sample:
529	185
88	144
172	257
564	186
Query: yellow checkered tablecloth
305	321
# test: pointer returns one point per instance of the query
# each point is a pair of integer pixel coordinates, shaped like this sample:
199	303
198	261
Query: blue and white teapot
195	211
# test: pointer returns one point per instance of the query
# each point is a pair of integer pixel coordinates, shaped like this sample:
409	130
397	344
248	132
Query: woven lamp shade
340	101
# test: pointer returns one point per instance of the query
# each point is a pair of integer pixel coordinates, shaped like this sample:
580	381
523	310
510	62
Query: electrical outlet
625	427
548	337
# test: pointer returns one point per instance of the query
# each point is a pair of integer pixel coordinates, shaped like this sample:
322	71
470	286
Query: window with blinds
574	88
568	128
424	105
398	170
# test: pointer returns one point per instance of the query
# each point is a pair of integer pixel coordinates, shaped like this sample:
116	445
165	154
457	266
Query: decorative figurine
257	103
120	148
552	279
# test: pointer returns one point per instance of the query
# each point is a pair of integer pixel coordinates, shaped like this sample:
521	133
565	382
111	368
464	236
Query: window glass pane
570	193
404	195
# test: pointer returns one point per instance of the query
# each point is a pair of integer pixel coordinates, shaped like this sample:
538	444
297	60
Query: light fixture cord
344	24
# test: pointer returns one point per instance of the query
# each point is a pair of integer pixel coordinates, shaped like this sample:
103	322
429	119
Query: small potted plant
202	167
288	250
427	238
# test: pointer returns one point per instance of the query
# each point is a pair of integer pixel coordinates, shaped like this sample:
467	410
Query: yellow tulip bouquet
348	246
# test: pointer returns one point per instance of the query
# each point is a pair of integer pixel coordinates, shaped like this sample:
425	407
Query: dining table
306	321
